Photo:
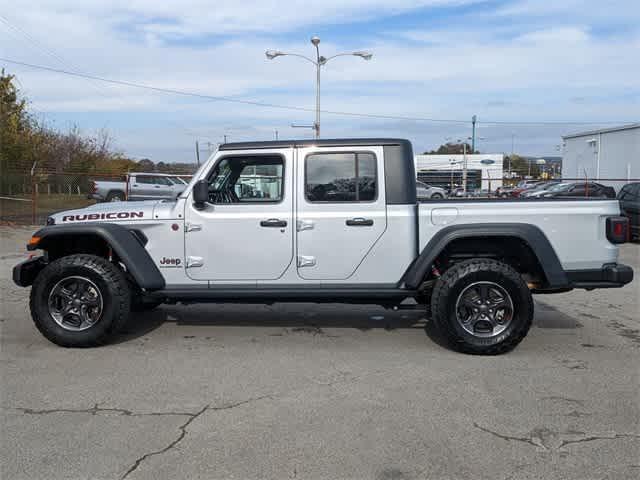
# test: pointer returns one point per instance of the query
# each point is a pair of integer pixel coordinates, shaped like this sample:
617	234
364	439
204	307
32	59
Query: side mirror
200	193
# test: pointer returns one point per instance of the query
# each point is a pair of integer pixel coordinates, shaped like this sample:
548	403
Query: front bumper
611	275
26	272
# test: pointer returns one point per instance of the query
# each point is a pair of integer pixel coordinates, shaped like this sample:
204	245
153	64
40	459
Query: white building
483	170
610	156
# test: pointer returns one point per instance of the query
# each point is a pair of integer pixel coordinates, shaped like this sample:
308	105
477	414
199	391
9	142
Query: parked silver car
426	191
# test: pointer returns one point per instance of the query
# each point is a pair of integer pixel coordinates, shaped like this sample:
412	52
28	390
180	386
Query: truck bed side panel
575	229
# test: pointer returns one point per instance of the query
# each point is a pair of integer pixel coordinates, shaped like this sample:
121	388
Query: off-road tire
113	287
115	196
455	280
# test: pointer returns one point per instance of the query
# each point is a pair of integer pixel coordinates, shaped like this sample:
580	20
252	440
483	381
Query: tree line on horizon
26	140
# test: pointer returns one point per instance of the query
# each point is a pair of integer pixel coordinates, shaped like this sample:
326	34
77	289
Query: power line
106	93
38	46
290	107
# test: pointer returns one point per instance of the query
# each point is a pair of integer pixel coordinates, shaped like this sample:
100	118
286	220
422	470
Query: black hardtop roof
333	142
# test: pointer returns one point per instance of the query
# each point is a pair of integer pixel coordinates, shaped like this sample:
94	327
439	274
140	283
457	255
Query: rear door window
341	177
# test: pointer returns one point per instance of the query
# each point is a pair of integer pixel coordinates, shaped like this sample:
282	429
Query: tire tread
111	274
439	305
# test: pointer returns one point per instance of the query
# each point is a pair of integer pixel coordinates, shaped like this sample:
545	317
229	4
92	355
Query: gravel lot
305	391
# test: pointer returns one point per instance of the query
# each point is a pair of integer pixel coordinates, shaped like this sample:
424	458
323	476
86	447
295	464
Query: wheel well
513	251
63	245
115	190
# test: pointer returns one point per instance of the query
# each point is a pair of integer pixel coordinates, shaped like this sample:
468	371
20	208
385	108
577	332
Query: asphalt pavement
322	392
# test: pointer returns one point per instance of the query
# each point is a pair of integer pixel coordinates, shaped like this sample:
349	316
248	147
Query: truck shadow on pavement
309	318
304	318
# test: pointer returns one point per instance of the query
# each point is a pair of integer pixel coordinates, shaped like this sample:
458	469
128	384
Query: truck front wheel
80	301
482	307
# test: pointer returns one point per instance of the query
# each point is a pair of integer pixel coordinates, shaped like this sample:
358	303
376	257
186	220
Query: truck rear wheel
80	301
482	307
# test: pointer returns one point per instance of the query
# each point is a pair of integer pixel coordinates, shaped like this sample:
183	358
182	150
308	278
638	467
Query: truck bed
584	246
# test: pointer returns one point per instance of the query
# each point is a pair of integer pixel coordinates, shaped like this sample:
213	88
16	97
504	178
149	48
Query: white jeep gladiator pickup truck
320	221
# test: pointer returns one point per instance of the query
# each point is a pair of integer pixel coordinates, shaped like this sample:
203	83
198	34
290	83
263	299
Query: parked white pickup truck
138	186
320	221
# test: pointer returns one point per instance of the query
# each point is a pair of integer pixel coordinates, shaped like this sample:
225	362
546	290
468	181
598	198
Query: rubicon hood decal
108	212
88	217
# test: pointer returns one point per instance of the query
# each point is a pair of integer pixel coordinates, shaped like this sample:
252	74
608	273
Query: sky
531	66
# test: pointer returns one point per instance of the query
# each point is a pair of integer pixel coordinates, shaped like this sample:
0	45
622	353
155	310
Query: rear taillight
618	229
94	187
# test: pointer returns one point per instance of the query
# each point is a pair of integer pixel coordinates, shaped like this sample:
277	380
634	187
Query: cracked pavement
330	391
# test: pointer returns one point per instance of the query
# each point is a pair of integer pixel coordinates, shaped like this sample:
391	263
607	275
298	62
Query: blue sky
505	61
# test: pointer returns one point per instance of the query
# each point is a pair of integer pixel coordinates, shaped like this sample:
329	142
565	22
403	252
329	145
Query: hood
106	212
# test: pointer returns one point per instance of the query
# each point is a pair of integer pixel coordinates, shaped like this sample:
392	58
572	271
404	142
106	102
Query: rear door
141	187
341	210
161	187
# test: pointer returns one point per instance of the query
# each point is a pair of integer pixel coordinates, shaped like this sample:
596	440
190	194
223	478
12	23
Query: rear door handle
359	222
273	222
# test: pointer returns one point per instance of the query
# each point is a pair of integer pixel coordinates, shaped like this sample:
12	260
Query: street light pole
318	62
316	126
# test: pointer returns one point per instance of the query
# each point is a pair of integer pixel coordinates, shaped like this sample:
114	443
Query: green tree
450	148
521	166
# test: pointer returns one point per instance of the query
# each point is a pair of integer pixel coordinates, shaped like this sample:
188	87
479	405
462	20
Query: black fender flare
122	240
532	235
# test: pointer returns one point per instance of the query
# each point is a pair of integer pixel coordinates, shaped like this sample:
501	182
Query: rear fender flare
532	235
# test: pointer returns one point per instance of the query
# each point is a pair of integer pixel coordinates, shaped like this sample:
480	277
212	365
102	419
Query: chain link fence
29	197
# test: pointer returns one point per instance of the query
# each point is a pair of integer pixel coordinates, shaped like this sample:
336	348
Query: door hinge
302	225
192	227
305	261
194	262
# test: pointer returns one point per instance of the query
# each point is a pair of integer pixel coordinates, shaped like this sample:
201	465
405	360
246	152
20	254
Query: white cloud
528	66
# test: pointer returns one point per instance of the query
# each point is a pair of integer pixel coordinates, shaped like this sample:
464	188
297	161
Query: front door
341	211
245	232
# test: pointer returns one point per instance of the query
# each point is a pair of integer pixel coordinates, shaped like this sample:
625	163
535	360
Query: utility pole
473	134
464	166
225	138
276	132
513	141
197	153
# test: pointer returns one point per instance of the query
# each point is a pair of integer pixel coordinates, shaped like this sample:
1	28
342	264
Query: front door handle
273	222
359	222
